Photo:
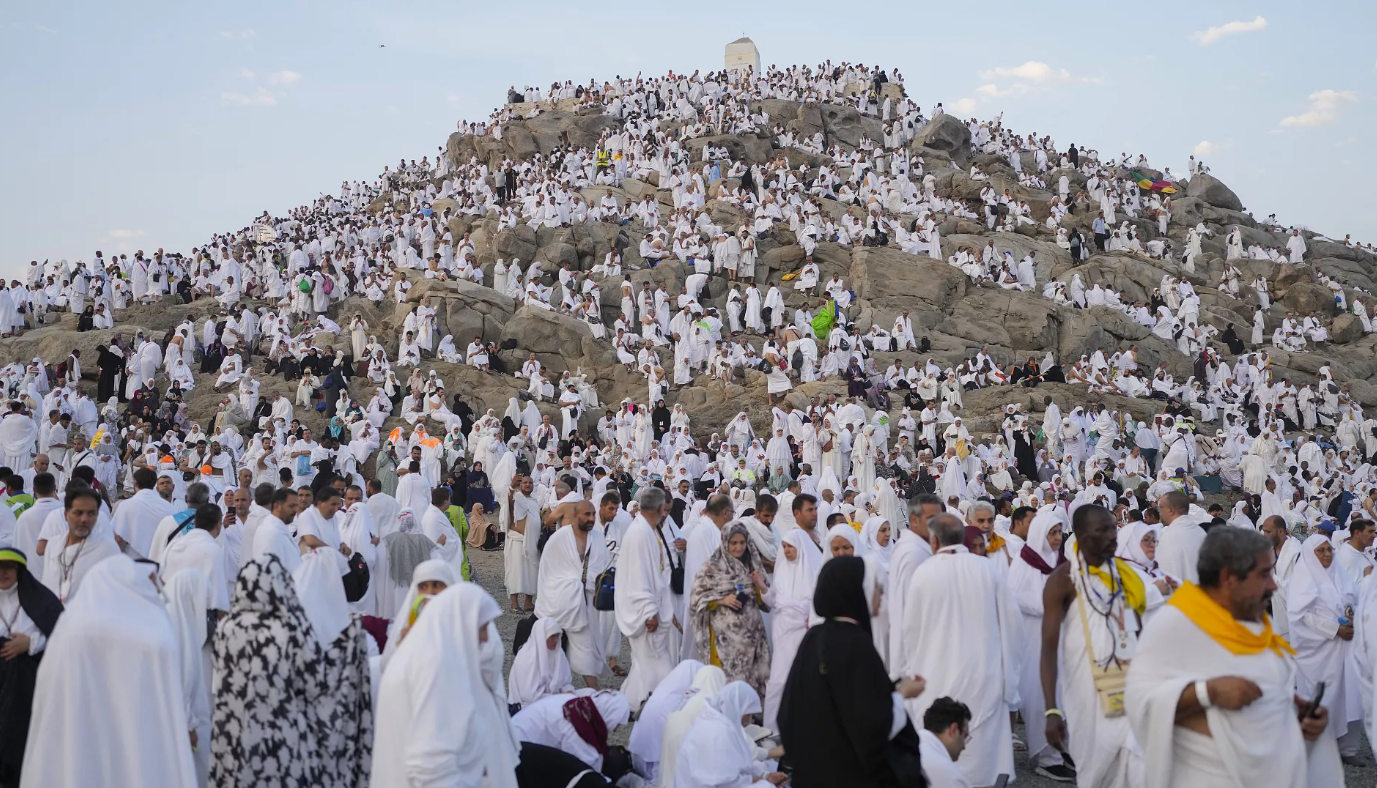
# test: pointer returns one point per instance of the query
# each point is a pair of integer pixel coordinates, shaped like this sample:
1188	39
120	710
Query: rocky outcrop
1213	191
946	134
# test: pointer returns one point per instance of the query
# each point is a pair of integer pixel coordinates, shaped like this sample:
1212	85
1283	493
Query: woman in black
838	707
36	614
659	419
86	321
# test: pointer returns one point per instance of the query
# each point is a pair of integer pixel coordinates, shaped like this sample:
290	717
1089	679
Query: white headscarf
669	696
431	570
848	533
796	579
870	533
538	670
453	709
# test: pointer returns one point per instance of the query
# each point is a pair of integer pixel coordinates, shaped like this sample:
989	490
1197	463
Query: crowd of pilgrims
802	602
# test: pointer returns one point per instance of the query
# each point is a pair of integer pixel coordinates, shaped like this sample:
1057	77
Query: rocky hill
956	316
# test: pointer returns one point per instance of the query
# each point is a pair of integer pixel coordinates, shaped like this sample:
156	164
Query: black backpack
356	582
797	360
604	598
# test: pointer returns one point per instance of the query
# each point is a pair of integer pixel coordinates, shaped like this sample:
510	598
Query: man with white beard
644	604
957	591
573	558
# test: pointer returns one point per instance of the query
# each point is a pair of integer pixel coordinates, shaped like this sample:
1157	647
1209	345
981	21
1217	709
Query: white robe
566	580
444	722
1257	745
956	592
112	670
643	593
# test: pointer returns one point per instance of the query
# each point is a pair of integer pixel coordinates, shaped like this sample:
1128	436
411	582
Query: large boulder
895	279
945	133
1213	191
748	147
848	126
1345	329
1304	298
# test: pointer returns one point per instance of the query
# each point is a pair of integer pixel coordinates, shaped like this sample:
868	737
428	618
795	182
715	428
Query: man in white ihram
644	605
956	591
573	558
1211	691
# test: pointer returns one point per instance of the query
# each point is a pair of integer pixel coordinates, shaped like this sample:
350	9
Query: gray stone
1213	191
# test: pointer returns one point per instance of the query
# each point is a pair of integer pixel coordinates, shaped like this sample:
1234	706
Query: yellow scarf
994	543
1220	624
1135	595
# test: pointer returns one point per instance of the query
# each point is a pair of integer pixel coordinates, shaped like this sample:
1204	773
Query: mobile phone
1314	704
1001	781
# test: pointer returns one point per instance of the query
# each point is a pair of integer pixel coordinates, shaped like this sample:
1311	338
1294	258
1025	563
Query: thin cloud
44	29
1033	71
230	35
1207	148
284	78
260	98
128	233
245	73
1323	109
1030	77
1212	34
965	106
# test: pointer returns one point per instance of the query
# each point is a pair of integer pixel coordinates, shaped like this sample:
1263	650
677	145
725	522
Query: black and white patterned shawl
268	669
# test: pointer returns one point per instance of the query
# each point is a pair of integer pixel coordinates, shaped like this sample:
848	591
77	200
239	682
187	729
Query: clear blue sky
145	125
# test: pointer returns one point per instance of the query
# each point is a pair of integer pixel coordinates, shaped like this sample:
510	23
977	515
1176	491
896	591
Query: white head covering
1313	586
848	533
707	682
1131	544
669	696
465	686
796	579
870	536
426	571
538	670
114	656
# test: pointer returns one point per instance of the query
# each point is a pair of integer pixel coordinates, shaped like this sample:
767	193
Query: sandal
618	671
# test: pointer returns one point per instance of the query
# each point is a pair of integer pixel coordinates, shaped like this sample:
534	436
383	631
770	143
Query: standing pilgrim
28	613
1078	646
573	558
1211	692
957	591
108	706
643	601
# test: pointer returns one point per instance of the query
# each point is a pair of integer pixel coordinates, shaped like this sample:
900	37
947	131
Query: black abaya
1025	457
835	715
19	676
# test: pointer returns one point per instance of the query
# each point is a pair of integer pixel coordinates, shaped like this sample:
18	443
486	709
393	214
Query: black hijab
835	715
38	602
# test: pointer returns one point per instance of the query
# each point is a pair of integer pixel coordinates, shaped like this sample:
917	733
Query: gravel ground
487	572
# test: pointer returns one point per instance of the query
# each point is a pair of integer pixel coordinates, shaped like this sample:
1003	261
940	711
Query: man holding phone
1210	691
